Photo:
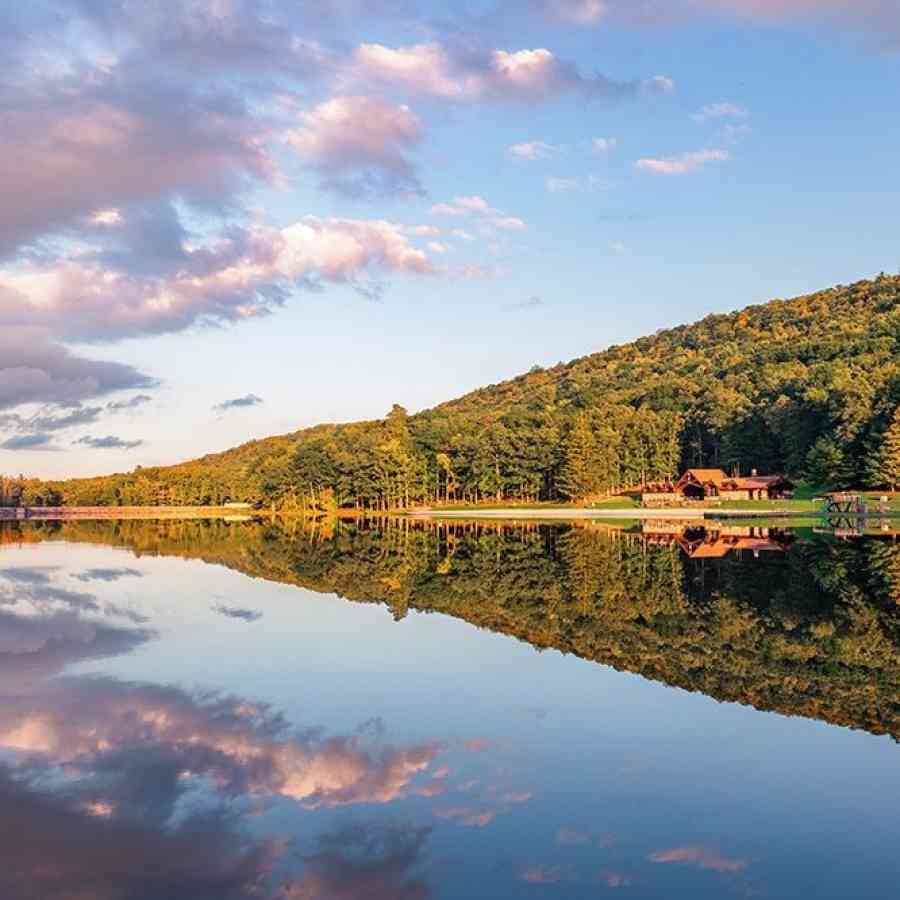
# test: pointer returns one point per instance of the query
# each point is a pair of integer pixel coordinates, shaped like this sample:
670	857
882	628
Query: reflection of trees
813	631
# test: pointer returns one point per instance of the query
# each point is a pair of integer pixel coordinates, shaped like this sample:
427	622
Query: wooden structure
703	485
716	542
842	505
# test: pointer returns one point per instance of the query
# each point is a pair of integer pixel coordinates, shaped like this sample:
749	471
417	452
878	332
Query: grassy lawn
463	507
795	505
624	502
807	498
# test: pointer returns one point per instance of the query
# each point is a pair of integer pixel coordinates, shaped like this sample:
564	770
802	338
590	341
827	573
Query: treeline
813	632
809	387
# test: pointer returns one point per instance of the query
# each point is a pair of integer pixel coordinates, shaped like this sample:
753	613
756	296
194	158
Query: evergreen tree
884	462
826	463
579	476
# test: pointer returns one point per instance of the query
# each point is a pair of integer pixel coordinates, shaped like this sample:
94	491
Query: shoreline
70	513
699	513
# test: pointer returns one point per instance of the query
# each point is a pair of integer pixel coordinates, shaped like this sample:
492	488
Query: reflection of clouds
574	836
33	648
702	857
571	836
466	815
32	586
363	862
52	850
141	742
614	879
107	574
545	874
237	612
27	574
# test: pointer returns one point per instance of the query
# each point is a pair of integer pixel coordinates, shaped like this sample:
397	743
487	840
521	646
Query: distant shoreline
64	513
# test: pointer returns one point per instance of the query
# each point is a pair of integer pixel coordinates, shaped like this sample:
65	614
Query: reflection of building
717	541
715	484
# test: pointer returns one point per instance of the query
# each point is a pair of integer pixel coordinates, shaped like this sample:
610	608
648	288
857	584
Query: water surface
213	710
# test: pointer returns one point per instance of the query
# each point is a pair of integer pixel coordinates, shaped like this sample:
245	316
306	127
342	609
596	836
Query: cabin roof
714	550
716	476
720	478
760	481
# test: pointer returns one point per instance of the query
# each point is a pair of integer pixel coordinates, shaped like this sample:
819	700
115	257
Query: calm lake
212	710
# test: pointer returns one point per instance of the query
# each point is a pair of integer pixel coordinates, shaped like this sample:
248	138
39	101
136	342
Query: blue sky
322	209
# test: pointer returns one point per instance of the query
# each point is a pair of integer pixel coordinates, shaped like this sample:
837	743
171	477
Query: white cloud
423	230
659	84
603	145
684	164
107	218
532	150
463	206
509	223
720	111
557	185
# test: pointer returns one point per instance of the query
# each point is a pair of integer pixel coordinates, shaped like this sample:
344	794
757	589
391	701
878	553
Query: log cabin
701	485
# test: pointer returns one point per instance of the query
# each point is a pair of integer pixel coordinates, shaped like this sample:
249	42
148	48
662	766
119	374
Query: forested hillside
809	386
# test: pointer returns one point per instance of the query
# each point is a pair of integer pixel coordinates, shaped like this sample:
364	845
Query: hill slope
808	386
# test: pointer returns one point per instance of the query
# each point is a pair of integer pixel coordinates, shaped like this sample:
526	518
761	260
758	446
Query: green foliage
804	386
826	463
884	460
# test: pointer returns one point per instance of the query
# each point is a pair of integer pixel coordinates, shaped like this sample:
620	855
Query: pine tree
884	463
579	475
826	464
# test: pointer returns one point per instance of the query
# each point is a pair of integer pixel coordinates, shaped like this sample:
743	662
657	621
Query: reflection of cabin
699	485
701	542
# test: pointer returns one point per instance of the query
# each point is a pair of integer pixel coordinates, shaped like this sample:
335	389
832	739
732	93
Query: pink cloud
423	68
231	280
684	164
70	152
432	70
883	16
702	857
466	816
359	144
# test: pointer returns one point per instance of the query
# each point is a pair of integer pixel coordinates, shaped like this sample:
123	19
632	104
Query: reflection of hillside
809	630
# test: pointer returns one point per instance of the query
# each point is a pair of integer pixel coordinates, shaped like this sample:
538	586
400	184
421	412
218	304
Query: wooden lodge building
705	485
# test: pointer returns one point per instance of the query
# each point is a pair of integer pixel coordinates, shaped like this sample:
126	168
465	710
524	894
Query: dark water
211	710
